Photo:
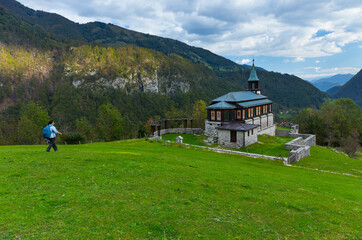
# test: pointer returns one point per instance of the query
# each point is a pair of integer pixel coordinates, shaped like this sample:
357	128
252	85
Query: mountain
333	90
279	87
324	84
115	36
352	89
17	32
72	79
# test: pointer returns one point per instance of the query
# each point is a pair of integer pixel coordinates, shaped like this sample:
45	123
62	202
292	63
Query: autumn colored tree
199	113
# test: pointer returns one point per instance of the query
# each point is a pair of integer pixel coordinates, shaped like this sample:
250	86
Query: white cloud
299	59
244	61
317	61
270	28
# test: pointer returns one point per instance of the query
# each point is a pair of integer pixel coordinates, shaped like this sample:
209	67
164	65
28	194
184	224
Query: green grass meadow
269	145
138	189
187	138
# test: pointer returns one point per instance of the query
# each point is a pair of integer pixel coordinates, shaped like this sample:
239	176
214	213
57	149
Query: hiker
49	134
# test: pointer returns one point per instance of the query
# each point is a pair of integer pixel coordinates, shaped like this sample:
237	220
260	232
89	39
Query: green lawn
187	138
269	145
327	159
141	190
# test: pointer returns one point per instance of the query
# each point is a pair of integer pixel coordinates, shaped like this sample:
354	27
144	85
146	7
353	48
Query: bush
73	138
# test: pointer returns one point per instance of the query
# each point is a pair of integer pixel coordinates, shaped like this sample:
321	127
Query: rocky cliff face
127	68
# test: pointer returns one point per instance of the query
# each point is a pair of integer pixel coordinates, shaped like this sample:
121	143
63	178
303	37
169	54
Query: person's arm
54	130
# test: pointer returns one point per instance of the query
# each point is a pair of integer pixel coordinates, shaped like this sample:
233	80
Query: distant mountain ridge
352	89
324	84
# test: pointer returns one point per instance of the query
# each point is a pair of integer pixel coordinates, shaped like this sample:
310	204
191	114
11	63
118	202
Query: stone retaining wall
311	140
300	147
282	132
296	155
295	144
180	131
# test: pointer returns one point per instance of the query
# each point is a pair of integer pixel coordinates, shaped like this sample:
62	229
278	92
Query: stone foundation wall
210	128
180	130
224	138
264	121
257	121
249	121
269	131
252	138
270	119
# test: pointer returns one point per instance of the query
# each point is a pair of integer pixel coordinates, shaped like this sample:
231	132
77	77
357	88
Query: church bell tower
253	81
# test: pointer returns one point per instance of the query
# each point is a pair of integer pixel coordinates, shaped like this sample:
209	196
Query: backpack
46	131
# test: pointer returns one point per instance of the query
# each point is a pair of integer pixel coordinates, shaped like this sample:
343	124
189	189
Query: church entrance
233	136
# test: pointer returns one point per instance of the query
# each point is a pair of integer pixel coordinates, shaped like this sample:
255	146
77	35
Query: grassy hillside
142	190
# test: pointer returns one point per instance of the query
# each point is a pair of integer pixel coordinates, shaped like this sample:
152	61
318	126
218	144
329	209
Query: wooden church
236	119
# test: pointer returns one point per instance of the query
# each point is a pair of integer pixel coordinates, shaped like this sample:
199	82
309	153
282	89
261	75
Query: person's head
51	122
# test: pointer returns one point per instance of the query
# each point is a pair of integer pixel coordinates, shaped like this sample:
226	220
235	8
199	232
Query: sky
310	38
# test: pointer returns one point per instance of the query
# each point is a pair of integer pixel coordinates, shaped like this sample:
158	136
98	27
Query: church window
233	115
218	115
213	115
226	116
243	114
238	115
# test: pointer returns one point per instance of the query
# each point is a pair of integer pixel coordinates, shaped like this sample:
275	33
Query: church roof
254	103
241	96
221	105
238	126
253	76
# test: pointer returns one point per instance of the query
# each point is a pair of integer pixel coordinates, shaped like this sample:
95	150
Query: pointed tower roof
253	76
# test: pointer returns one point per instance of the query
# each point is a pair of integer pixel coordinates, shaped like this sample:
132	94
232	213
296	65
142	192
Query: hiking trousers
52	144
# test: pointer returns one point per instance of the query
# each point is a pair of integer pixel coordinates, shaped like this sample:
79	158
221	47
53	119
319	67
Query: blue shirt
53	131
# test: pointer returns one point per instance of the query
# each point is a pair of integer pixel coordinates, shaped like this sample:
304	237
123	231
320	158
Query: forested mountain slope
352	89
114	35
